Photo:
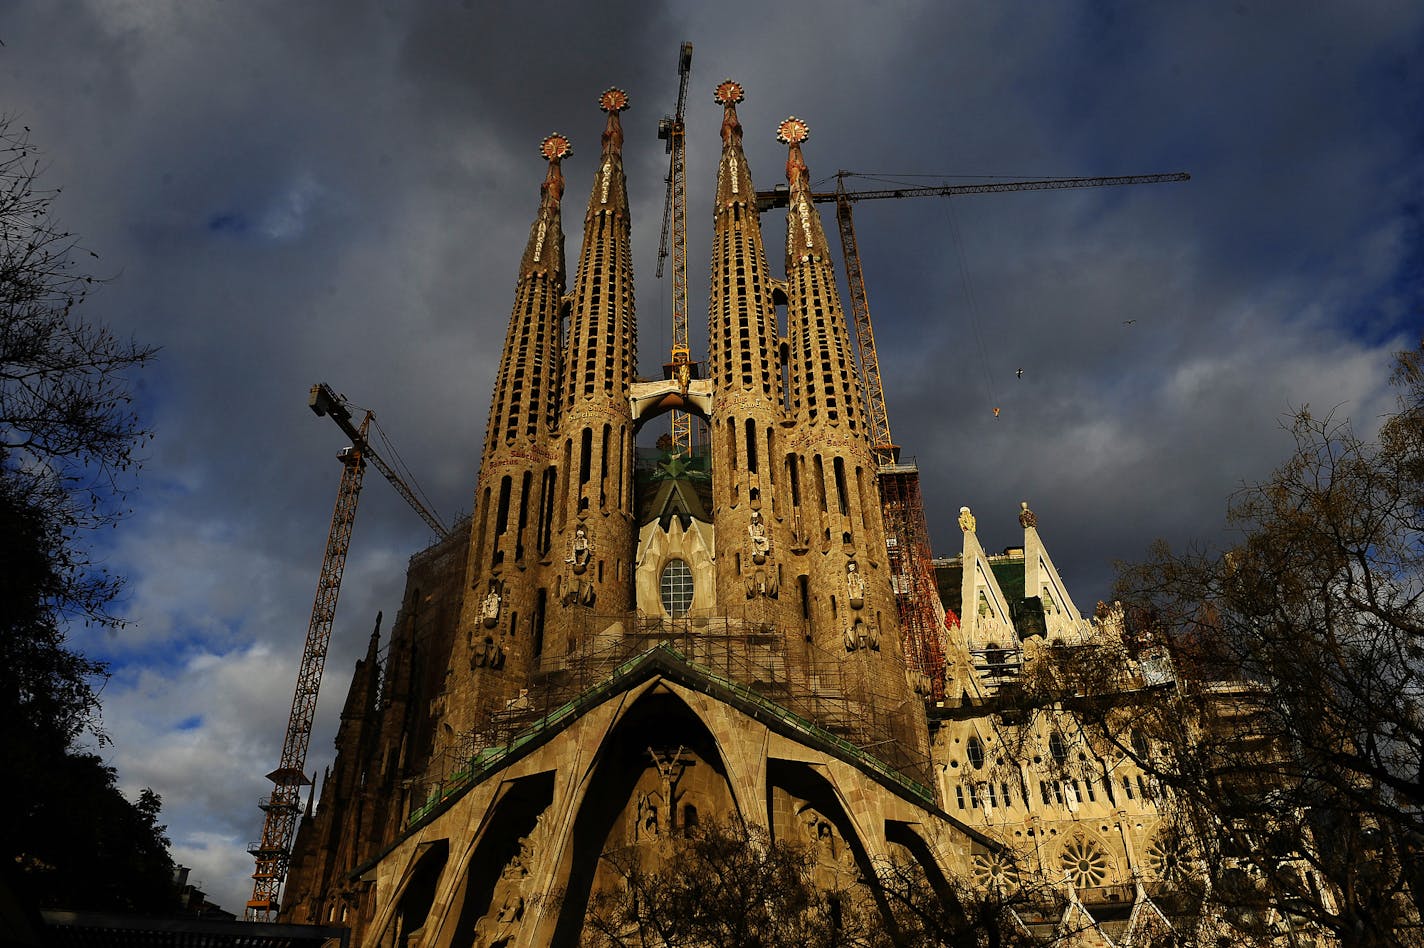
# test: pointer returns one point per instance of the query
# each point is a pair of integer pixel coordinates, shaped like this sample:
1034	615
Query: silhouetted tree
68	443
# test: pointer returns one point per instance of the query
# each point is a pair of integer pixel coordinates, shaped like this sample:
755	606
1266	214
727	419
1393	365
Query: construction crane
906	531
273	851
881	443
670	130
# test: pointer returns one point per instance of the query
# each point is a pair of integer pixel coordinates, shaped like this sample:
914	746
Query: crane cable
972	303
393	458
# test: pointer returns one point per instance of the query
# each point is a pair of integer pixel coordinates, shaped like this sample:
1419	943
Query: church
621	643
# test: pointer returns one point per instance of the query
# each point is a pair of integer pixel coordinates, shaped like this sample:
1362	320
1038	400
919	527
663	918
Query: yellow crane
273	851
671	130
906	531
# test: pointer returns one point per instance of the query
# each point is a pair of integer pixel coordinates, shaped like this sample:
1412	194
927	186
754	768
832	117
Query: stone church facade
621	643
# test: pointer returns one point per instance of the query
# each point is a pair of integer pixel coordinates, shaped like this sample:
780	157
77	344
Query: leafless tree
1288	741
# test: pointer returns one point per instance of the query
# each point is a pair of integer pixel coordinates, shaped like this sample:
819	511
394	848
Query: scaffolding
912	577
772	673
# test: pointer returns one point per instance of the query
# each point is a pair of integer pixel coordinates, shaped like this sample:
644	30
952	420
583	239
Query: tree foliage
69	435
69	442
1290	737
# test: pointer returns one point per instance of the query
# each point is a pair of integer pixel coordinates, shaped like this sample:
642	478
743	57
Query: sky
287	193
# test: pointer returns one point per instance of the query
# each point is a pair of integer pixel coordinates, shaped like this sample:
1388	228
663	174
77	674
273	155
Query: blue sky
293	193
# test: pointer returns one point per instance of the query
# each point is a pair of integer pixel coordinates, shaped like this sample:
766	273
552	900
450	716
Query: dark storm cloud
289	193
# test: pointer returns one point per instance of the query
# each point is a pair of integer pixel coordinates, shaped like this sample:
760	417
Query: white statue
855	585
489	606
761	545
580	550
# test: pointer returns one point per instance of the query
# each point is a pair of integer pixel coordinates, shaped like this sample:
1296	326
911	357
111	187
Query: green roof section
1008	569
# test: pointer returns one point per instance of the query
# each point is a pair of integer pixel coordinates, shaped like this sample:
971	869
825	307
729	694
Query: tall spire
743	363
610	192
522	409
594	506
805	237
545	249
838	502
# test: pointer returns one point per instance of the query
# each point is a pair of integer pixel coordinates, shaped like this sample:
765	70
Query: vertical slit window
524	491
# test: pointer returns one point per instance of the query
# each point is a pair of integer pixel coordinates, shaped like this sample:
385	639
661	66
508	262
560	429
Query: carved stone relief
501	923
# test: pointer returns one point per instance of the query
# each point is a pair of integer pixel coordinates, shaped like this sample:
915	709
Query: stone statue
760	544
580	550
499	926
762	585
966	520
487	654
855	585
1027	518
646	826
489	606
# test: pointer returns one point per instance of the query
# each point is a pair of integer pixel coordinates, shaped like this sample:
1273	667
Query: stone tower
621	642
593	520
504	608
744	365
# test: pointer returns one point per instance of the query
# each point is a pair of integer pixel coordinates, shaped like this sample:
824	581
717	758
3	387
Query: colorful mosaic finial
613	99
555	147
729	92
792	131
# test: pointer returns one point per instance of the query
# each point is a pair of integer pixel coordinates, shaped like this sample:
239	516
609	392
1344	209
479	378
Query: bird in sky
1128	322
1019	373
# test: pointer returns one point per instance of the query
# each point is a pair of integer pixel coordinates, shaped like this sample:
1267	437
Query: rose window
1168	857
995	870
1084	862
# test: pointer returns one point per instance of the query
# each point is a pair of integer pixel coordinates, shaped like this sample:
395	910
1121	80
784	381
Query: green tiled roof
1008	573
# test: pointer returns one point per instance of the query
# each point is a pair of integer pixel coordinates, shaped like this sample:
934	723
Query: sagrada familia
621	643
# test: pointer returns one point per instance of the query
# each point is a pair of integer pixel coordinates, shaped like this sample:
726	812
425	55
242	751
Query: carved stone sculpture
760	543
580	550
855	585
489	606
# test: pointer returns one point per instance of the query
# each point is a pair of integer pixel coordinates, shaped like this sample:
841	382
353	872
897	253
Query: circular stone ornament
728	92
555	146
613	99
792	131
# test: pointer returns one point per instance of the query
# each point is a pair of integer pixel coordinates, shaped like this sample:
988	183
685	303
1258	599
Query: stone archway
658	770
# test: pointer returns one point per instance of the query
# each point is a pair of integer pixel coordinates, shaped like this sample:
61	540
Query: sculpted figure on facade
489	606
580	550
763	585
855	585
487	654
966	520
499	926
647	825
760	542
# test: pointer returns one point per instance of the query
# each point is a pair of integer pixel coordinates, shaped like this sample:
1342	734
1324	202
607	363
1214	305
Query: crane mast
671	129
273	851
906	530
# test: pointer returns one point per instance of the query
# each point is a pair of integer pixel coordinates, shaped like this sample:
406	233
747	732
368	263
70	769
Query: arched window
975	751
676	588
1057	748
1140	748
